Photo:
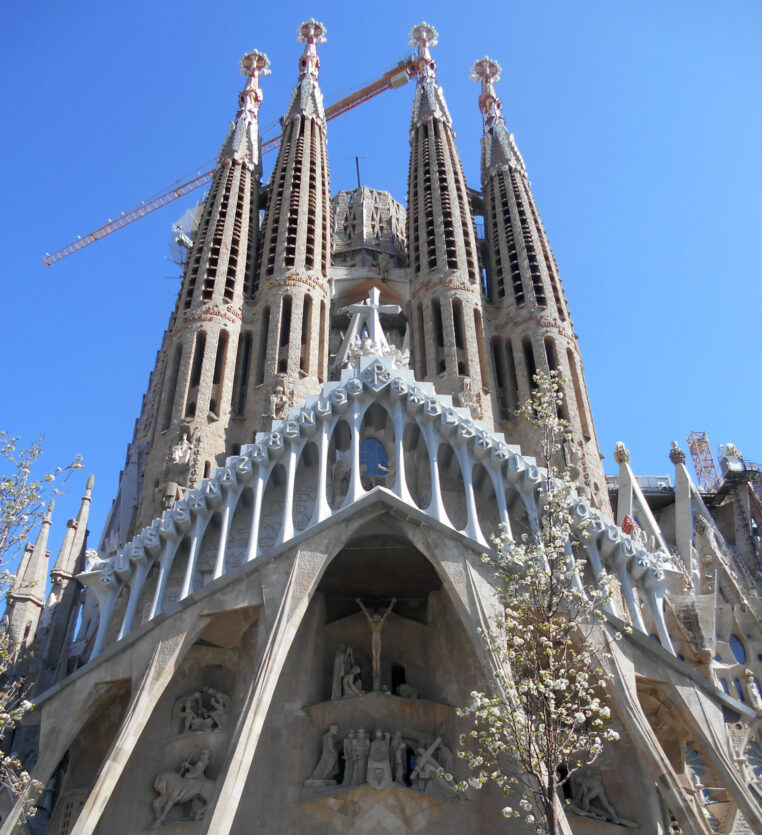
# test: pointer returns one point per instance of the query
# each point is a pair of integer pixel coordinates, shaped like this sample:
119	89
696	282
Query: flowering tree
23	498
544	718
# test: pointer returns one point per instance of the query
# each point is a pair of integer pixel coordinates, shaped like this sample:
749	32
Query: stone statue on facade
351	683
342	663
470	398
278	404
398	758
181	450
376	621
186	785
589	798
379	767
349	764
327	769
752	688
361	751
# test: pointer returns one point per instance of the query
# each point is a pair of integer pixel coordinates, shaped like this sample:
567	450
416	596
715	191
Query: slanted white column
610	547
466	464
228	509
436	505
106	590
655	589
502	506
166	559
630	496
140	566
263	470
355	490
322	508
197	531
595	561
400	478
287	521
683	510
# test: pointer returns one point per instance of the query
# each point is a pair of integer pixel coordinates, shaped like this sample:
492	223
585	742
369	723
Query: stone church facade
285	608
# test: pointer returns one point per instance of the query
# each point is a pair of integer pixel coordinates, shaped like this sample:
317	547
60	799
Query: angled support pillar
304	572
161	668
623	692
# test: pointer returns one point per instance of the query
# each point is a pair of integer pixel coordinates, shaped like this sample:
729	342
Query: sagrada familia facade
286	606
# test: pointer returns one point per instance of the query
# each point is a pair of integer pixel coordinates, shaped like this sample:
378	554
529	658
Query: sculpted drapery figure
379	767
376	622
327	768
343	662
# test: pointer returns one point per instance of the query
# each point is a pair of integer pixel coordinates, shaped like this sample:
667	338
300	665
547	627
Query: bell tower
530	328
446	318
292	298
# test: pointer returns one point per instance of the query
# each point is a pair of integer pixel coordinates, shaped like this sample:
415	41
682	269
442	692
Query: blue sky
639	122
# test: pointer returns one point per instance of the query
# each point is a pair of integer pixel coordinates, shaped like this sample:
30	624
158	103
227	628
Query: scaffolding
703	461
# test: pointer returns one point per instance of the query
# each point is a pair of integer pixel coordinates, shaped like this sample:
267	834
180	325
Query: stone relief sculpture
376	621
383	761
187	785
589	799
203	711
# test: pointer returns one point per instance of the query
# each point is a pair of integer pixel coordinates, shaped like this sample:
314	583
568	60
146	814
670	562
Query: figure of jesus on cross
376	622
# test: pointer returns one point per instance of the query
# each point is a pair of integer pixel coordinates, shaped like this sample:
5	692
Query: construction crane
703	461
398	76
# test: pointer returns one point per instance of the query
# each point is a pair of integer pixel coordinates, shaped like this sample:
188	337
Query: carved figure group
345	680
383	760
186	785
204	710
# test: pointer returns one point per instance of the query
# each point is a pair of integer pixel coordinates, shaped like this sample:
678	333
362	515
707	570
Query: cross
427	755
365	315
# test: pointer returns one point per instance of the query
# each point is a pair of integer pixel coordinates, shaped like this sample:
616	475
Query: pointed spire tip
90	482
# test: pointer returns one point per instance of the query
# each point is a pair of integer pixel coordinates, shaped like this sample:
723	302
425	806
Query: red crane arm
396	77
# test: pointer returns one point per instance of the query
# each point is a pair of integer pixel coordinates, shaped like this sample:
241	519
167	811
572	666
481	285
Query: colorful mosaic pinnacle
310	33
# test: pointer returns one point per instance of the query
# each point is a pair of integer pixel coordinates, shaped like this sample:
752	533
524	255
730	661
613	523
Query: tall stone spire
56	627
291	321
447	319
26	596
531	329
182	432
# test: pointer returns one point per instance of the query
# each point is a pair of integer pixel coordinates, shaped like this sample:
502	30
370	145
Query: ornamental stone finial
676	455
310	33
424	35
621	453
487	72
253	65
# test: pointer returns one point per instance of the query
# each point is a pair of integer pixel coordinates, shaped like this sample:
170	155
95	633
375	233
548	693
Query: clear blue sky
639	122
